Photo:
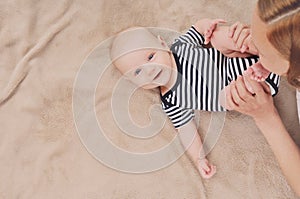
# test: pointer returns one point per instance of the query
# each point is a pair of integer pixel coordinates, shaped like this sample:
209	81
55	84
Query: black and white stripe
202	74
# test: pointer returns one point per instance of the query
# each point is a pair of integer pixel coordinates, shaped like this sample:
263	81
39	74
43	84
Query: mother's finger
216	21
266	87
232	29
250	45
234	93
240	32
229	103
236	28
259	88
245	33
244	92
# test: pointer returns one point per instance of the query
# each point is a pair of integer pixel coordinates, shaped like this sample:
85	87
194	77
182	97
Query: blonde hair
283	31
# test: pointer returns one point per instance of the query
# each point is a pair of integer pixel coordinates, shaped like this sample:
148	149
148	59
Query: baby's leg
257	72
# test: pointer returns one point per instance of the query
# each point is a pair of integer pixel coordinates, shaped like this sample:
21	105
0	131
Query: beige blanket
49	147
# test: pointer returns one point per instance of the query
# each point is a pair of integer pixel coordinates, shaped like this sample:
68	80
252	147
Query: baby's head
142	57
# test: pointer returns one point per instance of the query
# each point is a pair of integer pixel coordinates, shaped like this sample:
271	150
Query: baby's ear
162	41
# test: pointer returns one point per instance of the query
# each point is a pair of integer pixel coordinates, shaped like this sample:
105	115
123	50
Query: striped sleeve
192	36
178	116
273	81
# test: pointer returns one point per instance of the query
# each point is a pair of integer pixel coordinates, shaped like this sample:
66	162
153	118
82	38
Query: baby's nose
150	69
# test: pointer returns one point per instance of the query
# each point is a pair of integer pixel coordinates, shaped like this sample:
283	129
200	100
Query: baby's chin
150	86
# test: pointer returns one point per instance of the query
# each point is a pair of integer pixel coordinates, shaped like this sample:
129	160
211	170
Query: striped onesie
202	74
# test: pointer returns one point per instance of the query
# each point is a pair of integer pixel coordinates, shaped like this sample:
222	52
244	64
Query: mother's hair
283	31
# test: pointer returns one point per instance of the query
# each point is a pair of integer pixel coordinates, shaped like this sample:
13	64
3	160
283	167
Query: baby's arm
191	141
219	37
206	27
225	44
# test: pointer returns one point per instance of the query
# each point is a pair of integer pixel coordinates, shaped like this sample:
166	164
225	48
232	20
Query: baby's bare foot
257	72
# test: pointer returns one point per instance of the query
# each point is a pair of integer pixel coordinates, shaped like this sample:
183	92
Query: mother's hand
240	34
258	105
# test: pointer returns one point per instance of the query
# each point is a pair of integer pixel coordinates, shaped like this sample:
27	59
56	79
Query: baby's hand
209	28
257	72
206	169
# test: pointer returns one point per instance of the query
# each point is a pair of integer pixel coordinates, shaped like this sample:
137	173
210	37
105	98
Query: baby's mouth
157	75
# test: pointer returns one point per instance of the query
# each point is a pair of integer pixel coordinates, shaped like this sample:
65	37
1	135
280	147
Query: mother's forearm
283	147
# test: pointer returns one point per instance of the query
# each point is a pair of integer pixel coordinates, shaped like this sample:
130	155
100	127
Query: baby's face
142	58
147	68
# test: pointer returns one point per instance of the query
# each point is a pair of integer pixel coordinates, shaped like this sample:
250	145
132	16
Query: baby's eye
137	71
150	56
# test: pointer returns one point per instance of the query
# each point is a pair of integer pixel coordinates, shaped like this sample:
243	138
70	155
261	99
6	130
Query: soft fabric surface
44	43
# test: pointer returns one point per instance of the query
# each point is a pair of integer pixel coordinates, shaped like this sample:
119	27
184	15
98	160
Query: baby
188	75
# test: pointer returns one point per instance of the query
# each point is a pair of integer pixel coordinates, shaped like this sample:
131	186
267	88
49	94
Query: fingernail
243	49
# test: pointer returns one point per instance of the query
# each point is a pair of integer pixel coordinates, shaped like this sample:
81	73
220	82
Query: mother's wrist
268	118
